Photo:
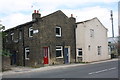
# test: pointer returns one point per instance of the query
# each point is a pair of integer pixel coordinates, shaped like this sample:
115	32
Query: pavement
19	69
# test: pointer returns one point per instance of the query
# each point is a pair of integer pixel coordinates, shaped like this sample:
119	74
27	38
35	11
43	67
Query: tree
2	34
2	27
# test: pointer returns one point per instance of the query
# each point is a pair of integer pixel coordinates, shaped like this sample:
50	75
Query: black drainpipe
75	41
23	48
64	51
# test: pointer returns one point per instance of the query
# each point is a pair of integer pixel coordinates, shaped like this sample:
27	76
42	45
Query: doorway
67	54
46	55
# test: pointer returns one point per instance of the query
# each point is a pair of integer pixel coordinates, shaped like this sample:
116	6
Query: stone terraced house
43	41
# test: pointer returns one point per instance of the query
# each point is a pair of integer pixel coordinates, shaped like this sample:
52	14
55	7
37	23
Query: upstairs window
91	32
58	31
79	51
59	52
12	37
31	32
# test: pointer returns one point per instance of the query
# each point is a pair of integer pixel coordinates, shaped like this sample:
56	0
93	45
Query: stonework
45	37
6	63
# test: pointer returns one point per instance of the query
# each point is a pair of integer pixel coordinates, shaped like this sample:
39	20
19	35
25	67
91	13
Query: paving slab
20	69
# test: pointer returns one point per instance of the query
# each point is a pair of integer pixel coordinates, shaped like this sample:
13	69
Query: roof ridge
87	20
35	20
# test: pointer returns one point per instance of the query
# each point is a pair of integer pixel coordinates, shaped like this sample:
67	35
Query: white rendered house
91	41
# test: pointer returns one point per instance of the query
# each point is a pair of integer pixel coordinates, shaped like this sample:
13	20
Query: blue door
13	60
66	55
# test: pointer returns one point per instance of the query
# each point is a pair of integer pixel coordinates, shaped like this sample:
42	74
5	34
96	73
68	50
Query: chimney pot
71	15
36	14
37	11
34	11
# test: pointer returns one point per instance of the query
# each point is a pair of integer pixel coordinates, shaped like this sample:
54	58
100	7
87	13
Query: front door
46	55
66	55
13	58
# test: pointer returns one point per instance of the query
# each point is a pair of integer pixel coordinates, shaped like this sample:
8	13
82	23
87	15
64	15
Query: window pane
79	48
27	53
12	36
91	33
80	53
58	53
58	31
30	32
99	50
58	47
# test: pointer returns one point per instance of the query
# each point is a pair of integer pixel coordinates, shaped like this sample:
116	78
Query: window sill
30	36
59	57
27	59
58	35
79	56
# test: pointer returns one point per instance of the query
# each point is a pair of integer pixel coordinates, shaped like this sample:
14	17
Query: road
97	70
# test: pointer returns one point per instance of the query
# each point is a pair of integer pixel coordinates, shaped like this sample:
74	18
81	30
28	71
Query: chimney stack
34	11
72	18
37	11
71	15
36	15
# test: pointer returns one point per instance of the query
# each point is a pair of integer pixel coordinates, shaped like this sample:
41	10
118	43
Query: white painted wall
83	40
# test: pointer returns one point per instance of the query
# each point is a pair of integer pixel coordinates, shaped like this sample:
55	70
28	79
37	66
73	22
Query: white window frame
79	51
58	35
61	51
12	37
30	29
27	50
91	32
99	50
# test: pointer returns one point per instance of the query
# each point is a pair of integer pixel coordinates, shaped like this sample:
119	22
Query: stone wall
46	37
6	63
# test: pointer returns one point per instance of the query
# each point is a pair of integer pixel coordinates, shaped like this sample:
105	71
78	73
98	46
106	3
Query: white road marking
102	70
112	68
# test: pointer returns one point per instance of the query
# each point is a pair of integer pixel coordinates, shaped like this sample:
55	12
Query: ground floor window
99	50
79	51
59	52
27	53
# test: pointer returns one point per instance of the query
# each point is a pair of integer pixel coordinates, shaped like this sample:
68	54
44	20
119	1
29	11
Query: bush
6	53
